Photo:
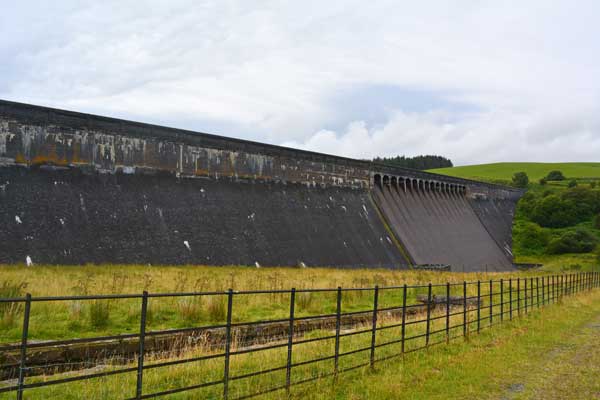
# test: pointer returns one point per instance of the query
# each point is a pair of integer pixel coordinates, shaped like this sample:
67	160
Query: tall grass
87	318
10	311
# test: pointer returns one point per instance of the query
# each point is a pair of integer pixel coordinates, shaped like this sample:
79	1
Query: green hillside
535	171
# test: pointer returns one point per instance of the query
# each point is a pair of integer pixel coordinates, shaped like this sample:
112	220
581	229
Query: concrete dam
78	188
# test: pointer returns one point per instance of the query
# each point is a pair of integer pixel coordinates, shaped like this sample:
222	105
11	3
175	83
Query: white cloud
524	75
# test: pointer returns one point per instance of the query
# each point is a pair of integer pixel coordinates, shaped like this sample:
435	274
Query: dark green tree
555	176
520	179
554	212
579	241
530	238
572	183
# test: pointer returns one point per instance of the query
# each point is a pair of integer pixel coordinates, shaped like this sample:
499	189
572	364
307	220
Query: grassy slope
535	171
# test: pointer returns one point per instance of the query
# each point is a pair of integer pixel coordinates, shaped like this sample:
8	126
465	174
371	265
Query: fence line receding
420	316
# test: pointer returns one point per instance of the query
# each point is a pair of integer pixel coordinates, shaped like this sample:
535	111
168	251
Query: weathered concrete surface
496	213
79	188
66	217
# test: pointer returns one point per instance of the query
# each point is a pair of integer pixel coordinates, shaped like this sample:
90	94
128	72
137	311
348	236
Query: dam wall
78	188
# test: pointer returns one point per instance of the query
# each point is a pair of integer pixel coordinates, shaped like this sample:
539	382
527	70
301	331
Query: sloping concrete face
78	188
437	227
66	217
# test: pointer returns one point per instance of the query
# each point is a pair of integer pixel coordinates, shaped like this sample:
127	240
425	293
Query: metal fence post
24	337
338	324
227	344
587	274
447	312
570	285
288	371
491	302
510	300
519	296
537	290
465	308
525	292
428	327
543	291
478	306
142	343
374	325
501	299
587	279
403	317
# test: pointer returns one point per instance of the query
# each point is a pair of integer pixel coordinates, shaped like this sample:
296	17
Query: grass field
92	318
535	171
513	360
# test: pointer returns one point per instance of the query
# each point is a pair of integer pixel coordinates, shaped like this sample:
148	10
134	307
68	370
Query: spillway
440	228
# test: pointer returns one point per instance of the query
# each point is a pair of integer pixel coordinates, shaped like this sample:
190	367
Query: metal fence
424	316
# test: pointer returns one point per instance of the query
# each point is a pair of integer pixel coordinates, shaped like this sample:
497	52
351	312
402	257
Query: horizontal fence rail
422	316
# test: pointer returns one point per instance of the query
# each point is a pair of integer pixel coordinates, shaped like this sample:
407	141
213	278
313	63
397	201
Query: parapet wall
50	146
32	135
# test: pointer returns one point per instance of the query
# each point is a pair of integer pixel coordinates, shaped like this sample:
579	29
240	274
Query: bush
555	176
520	179
554	212
543	181
530	238
586	201
572	183
592	184
526	204
597	221
579	241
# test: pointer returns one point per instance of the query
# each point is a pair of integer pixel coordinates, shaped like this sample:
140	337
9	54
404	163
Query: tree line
418	162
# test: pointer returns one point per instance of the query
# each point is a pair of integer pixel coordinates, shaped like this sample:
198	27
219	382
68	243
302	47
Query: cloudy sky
476	81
